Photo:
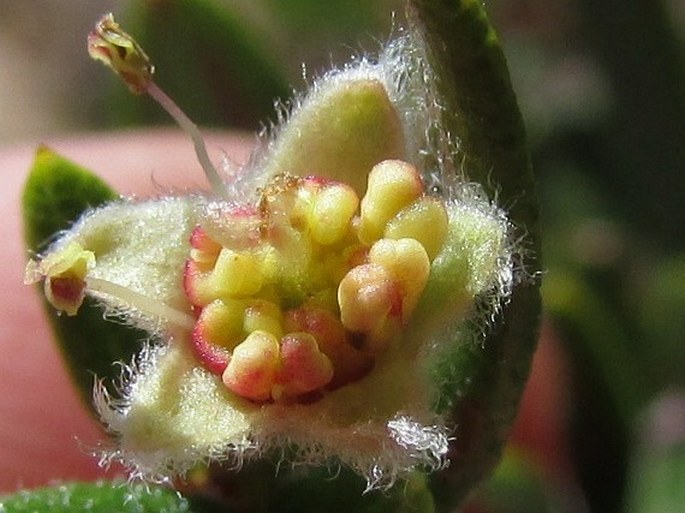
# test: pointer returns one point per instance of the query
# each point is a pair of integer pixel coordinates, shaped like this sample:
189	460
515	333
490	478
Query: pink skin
46	434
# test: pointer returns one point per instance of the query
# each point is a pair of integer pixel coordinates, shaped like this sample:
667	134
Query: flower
309	298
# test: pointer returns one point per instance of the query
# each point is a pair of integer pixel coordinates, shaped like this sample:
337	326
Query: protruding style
109	44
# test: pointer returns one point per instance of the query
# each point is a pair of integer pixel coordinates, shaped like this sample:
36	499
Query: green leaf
660	482
657	473
207	60
345	492
56	193
601	341
661	314
264	486
474	80
517	486
100	497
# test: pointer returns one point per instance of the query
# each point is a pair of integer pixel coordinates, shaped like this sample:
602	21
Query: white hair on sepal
405	445
402	68
413	88
117	411
112	407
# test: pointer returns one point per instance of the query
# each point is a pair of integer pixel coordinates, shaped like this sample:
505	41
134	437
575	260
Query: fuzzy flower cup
312	301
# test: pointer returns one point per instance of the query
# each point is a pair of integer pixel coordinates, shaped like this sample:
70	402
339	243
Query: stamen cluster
310	285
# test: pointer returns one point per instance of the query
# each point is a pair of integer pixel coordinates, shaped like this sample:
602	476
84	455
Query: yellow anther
64	272
380	337
393	185
253	367
221	323
424	220
349	364
331	213
204	250
236	274
205	260
408	263
367	295
302	200
262	315
304	367
337	263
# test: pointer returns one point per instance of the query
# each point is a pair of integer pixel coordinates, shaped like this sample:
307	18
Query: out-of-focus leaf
207	60
661	312
588	254
568	297
611	383
342	27
56	193
644	140
100	497
474	80
658	469
661	483
311	492
515	487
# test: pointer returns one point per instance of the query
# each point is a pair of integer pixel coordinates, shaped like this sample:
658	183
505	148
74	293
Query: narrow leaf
100	497
57	192
657	472
474	80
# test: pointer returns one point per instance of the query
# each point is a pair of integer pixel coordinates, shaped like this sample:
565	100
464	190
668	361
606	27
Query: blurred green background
602	88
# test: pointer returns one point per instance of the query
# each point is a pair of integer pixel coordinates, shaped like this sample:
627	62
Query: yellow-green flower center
312	283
